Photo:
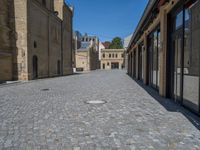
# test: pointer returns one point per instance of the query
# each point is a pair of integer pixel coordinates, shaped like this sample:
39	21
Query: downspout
72	43
61	48
48	42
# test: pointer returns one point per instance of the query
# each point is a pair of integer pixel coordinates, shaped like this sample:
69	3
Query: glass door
185	54
140	62
177	48
191	56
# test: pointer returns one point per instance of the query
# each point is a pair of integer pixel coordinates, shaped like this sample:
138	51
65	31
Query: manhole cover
95	102
44	89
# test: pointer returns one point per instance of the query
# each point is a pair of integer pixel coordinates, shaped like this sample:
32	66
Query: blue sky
107	18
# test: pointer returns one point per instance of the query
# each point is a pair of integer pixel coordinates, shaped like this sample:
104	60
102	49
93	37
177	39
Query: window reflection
179	20
191	57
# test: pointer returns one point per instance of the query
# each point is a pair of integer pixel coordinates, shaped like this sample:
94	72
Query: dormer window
44	2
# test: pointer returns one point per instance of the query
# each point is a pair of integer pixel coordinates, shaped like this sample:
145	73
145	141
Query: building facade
87	57
77	38
164	50
101	47
112	59
39	33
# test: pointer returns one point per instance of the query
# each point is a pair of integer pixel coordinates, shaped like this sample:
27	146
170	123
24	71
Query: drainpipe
48	43
61	48
71	43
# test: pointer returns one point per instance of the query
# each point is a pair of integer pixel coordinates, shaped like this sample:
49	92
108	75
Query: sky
107	18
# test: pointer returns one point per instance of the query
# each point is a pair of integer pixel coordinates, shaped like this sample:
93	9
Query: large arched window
58	68
35	67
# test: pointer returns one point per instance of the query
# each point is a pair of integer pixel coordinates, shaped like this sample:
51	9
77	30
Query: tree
116	43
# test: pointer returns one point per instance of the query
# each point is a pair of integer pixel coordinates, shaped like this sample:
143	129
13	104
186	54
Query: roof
127	40
106	44
147	10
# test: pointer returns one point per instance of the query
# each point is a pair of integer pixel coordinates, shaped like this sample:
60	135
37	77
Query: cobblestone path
52	114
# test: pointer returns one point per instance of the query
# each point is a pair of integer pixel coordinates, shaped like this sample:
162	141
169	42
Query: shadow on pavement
171	105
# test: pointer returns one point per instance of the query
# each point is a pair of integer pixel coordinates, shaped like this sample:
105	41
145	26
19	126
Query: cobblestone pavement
52	114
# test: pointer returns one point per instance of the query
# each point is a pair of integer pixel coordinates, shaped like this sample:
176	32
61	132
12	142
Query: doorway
115	65
140	62
177	69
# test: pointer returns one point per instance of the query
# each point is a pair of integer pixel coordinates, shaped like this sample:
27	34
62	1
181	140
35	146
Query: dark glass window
191	56
154	46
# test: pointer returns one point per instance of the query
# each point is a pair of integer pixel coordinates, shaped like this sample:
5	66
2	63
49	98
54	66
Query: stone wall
82	60
67	40
38	39
28	29
21	55
5	42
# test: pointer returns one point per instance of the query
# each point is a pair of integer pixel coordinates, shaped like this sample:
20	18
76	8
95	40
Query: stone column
145	71
132	64
128	71
137	62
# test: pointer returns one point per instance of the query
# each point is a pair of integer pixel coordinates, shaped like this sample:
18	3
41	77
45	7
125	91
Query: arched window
58	68
35	67
103	55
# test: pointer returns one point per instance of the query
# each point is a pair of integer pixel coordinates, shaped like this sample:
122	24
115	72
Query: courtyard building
164	50
87	56
76	44
112	59
35	39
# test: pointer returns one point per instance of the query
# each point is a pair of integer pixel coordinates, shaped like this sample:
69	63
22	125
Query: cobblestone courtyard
52	114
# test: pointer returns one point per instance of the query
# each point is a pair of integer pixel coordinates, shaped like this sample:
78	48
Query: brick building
35	39
164	50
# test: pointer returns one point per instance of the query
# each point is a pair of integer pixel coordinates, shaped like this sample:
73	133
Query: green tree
116	43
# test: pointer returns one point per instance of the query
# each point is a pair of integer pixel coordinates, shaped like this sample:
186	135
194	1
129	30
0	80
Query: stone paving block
60	118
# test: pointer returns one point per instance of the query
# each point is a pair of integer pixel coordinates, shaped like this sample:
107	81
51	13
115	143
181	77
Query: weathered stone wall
94	59
82	60
45	41
38	39
49	4
29	28
5	42
21	55
55	46
67	40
